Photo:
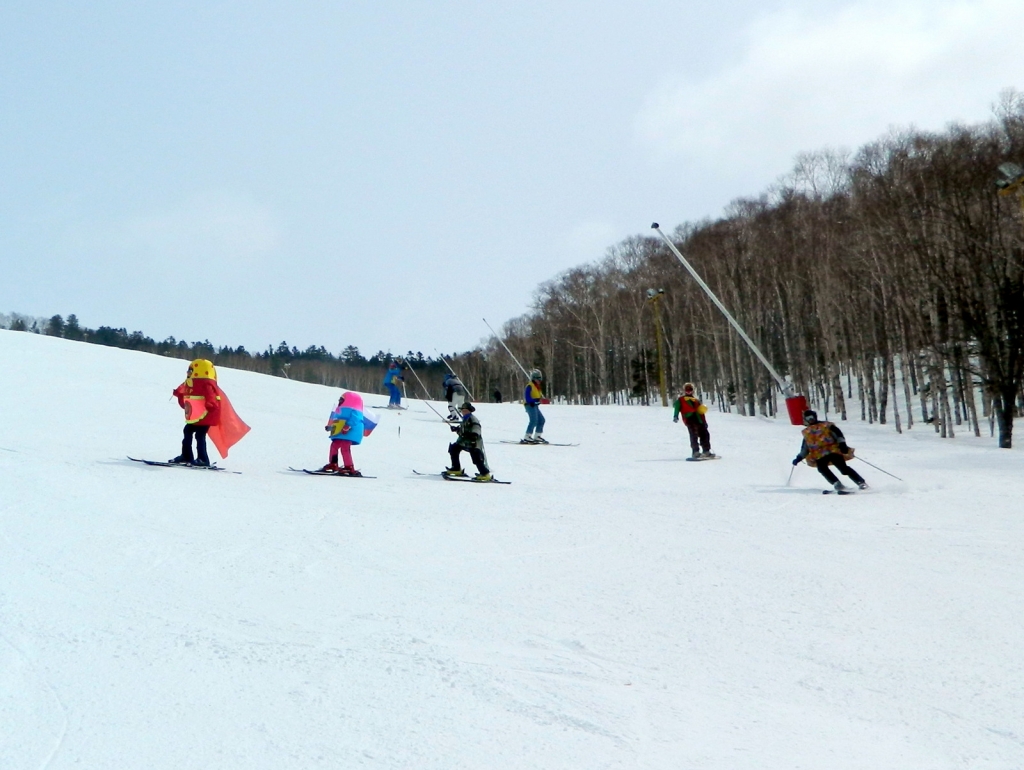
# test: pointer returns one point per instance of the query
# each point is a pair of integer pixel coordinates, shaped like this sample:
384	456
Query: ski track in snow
616	607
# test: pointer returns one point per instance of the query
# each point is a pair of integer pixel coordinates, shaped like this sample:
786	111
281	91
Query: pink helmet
352	400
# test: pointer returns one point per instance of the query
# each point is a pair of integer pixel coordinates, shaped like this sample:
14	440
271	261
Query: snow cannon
796	405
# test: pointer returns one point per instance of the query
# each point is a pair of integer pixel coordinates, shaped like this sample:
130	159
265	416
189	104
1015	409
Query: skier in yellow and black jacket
824	445
689	407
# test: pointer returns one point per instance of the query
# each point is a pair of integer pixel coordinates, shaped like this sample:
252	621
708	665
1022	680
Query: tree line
883	282
349	369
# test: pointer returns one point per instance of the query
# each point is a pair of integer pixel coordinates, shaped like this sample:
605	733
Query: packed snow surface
615	607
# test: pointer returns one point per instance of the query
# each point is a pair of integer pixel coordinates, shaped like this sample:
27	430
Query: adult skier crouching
471	439
689	407
825	445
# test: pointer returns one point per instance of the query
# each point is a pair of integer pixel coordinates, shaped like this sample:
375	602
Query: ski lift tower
795	402
653	295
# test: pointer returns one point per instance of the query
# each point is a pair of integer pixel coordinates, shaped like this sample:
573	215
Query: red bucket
796	405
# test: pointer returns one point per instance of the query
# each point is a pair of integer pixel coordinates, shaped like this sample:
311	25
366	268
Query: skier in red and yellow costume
207	410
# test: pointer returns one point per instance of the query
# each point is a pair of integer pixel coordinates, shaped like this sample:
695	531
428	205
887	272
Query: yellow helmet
202	369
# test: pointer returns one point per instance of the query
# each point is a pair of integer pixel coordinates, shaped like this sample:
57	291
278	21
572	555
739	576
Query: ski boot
839	488
200	463
695	455
454	472
539	439
349	470
331	467
527	439
862	484
482	477
179	460
708	455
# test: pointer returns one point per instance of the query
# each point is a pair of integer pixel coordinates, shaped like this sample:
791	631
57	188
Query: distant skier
533	395
825	445
471	439
347	427
689	407
496	395
207	411
392	378
455	394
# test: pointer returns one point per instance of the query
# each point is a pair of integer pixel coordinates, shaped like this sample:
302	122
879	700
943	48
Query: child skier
693	411
825	445
532	397
199	397
471	439
392	377
346	427
455	394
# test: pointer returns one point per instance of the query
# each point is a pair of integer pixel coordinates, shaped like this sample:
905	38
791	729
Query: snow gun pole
858	457
445	360
795	403
784	386
426	394
526	373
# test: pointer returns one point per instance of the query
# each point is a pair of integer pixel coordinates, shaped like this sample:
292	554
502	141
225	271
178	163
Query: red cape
231	428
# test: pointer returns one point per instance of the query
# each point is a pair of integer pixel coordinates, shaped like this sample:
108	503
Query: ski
446	477
702	459
847	491
392	408
159	464
540	443
471	480
329	473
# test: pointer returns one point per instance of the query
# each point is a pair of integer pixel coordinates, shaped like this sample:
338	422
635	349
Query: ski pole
792	468
858	457
426	394
441	355
507	350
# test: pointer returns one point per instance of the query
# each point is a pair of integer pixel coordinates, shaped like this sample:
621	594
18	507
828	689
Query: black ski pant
841	466
699	436
475	454
199	431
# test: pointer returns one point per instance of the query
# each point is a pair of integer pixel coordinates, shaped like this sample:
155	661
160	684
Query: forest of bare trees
885	283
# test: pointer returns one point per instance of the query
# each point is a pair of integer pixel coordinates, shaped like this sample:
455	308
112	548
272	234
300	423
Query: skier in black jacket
471	439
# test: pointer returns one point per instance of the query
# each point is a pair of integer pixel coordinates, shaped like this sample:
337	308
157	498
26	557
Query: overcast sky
385	174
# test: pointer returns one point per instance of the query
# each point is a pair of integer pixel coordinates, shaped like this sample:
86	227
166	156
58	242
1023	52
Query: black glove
675	419
796	461
453	428
843	449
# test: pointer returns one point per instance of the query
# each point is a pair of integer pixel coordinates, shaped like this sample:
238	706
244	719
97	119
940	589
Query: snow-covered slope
614	607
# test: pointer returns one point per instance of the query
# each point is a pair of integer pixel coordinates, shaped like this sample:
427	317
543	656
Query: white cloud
804	83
